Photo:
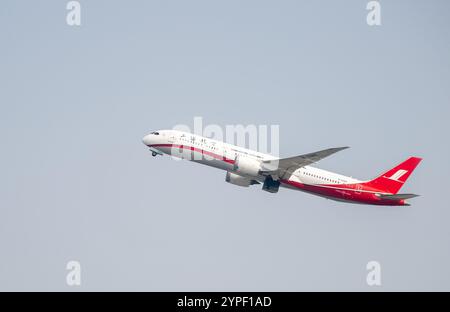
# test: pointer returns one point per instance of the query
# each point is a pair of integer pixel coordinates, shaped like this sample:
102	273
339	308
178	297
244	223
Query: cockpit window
155	133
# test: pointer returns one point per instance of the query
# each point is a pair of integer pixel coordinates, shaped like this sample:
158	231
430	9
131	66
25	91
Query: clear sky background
76	182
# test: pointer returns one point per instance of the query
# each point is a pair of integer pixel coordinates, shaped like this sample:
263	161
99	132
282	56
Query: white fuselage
223	155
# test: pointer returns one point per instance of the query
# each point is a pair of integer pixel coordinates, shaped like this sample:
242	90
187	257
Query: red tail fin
392	180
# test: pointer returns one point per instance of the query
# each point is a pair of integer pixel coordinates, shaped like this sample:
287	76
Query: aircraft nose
146	140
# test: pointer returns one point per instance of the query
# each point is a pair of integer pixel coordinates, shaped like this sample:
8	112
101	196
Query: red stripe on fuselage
346	192
195	149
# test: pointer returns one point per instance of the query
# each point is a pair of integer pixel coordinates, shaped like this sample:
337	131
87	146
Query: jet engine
247	166
236	179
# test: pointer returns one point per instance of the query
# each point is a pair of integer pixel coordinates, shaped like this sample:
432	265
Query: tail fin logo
396	176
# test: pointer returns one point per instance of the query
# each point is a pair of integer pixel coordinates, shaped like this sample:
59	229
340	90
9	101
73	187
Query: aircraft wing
284	167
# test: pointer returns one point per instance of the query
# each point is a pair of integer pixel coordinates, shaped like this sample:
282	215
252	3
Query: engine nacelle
236	179
247	166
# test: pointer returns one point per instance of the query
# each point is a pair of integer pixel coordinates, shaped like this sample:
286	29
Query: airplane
245	167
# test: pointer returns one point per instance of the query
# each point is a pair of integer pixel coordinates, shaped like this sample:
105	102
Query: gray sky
77	183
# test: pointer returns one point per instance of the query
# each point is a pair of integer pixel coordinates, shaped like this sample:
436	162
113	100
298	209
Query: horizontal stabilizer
398	196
